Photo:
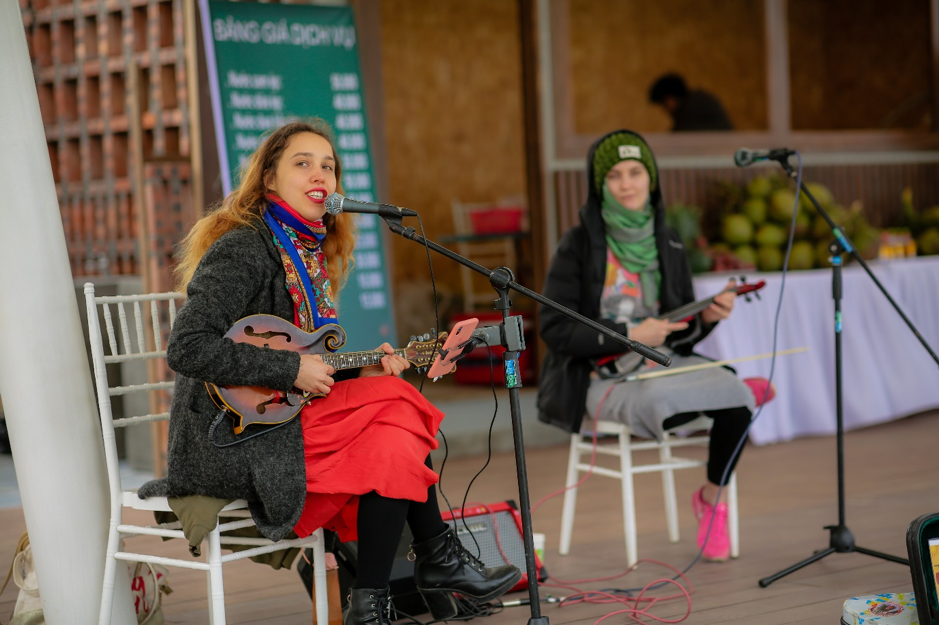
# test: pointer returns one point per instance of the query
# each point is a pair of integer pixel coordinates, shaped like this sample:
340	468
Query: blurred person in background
690	109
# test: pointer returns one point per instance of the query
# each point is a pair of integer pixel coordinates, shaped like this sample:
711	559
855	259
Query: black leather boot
369	606
442	566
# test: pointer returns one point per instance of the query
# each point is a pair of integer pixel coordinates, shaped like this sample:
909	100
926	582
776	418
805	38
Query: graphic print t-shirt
622	294
621	302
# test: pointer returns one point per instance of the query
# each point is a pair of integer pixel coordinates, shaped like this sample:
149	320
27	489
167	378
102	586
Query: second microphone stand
841	540
512	339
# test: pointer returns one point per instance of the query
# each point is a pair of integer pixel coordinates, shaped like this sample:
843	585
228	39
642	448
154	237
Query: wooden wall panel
619	47
858	64
453	127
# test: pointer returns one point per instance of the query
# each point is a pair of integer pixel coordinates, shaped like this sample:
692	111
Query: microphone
745	157
336	203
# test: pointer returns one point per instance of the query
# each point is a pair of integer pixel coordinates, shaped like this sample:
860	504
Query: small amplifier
497	529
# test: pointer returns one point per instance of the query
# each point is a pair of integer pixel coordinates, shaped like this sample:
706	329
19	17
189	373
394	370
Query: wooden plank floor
787	493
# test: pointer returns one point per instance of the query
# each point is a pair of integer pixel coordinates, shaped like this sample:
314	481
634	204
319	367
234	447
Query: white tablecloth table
887	374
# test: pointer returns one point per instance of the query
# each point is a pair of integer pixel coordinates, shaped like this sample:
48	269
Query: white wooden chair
141	337
582	444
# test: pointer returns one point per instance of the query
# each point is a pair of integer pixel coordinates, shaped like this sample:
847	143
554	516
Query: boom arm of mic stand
395	225
850	249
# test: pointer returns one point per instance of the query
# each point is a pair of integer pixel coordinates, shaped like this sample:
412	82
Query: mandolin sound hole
278	399
249	331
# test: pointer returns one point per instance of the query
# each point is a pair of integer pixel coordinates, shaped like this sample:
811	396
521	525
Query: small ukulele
249	405
606	366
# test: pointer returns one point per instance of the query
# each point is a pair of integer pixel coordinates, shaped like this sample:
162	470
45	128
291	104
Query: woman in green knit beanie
623	267
625	176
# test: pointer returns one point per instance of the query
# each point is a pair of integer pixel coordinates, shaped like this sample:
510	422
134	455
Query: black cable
492	422
467	609
446	446
433	285
218	419
446	454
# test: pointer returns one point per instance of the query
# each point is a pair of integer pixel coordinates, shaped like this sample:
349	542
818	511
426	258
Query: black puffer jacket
575	279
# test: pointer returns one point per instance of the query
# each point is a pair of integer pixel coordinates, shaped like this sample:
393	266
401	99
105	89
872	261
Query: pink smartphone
459	335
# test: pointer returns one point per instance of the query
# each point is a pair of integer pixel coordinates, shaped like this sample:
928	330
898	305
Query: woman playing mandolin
356	460
622	267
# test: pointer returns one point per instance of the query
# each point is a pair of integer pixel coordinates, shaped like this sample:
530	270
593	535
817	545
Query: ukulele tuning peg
756	294
412	338
743	279
747	297
433	331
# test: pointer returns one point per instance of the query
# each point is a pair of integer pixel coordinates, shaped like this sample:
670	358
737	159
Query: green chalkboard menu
271	63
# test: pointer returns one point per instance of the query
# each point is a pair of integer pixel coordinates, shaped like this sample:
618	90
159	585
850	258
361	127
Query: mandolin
249	405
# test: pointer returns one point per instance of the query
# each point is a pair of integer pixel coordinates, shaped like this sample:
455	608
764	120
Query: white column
44	375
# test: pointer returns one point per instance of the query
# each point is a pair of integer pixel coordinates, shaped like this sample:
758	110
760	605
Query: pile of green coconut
755	228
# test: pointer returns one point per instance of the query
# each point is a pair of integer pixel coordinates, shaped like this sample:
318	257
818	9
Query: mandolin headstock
422	349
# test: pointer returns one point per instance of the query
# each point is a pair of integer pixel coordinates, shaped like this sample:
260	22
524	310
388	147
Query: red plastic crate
497	220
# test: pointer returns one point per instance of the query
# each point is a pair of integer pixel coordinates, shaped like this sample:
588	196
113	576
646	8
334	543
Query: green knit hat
621	146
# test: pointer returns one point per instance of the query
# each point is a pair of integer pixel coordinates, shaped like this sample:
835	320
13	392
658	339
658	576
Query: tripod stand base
841	541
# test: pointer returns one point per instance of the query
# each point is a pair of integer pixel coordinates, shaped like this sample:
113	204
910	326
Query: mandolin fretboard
354	360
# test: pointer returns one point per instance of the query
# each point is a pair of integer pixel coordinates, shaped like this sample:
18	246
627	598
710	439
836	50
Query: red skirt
368	434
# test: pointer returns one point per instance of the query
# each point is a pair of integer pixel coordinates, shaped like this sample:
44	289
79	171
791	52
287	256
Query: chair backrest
135	329
501	217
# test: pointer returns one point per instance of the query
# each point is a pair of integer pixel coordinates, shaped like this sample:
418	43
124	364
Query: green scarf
631	236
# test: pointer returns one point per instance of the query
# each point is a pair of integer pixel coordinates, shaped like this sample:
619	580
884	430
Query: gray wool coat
241	274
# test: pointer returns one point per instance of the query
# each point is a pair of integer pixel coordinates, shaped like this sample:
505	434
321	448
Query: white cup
538	540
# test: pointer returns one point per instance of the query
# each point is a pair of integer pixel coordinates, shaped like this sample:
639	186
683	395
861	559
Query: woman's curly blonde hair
245	204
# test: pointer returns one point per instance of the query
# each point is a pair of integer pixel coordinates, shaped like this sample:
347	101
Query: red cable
593	456
586	596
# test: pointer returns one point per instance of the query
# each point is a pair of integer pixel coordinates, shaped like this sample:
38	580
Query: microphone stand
841	539
513	340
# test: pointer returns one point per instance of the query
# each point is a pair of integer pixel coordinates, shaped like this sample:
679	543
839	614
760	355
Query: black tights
380	524
729	426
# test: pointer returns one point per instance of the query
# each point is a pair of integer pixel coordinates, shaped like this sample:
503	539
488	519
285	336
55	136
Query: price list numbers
352	144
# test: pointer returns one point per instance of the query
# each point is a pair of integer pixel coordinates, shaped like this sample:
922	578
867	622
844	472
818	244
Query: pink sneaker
717	548
760	392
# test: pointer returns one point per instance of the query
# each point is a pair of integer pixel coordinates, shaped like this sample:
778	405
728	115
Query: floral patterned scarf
300	244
